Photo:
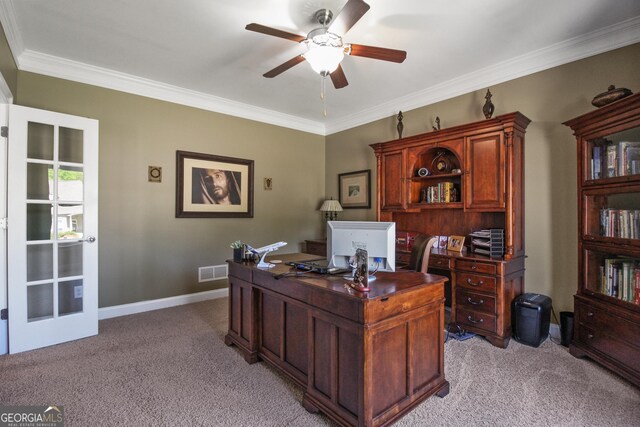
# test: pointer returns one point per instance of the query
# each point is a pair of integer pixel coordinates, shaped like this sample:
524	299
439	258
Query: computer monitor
377	238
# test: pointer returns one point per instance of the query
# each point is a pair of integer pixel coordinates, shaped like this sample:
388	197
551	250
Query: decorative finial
437	126
400	125
488	107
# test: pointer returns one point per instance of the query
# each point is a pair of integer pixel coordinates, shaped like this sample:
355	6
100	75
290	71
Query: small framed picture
442	242
354	189
455	243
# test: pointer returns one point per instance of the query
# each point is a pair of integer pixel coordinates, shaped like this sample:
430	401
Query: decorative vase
487	108
237	254
612	94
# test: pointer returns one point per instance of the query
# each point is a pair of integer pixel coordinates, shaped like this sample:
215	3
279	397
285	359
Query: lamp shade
331	206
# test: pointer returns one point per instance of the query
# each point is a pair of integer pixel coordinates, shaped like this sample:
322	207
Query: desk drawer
476	266
475	302
386	307
484	321
436	261
348	308
476	282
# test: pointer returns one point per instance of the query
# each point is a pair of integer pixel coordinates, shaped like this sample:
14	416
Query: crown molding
8	20
609	38
605	39
53	66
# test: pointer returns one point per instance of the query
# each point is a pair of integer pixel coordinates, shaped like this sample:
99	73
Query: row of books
443	192
621	279
615	159
622	223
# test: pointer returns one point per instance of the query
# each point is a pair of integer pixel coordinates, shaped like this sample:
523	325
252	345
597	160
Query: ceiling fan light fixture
324	59
324	51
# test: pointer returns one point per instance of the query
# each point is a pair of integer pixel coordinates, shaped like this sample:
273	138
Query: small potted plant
237	247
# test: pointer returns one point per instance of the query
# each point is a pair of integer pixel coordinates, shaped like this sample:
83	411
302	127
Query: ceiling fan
325	48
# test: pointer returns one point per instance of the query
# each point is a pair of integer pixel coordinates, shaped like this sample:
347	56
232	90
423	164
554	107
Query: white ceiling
197	52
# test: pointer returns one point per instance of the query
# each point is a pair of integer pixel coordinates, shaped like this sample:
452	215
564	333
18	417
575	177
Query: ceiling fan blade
284	67
338	78
348	16
274	32
377	53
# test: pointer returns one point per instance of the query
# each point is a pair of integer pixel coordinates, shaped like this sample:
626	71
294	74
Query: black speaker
530	318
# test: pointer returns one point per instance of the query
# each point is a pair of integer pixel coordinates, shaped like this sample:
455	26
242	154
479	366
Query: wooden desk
481	290
362	359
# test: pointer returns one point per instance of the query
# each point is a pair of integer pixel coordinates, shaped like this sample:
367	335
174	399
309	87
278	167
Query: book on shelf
620	223
596	164
612	160
620	278
615	159
443	192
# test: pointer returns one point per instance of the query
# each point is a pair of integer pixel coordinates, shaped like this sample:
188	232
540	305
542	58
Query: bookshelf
607	300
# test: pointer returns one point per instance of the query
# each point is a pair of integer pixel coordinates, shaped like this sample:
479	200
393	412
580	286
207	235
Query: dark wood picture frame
354	189
209	186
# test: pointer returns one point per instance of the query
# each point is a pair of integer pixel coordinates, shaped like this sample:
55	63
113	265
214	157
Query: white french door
52	228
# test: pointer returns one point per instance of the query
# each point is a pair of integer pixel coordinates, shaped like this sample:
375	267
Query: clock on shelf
441	163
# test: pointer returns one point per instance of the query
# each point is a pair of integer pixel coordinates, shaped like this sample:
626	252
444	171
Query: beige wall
548	98
8	67
147	253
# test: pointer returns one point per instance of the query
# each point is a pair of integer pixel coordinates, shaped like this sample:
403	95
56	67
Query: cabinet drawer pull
480	283
474	302
473	267
590	314
474	321
590	336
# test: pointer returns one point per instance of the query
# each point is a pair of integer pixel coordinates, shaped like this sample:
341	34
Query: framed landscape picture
354	189
209	186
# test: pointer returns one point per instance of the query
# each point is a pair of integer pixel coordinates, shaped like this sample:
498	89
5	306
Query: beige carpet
171	368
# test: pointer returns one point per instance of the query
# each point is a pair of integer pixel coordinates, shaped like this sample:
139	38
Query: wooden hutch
607	302
453	182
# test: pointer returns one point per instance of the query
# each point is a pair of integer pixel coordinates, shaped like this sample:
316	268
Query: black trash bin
566	327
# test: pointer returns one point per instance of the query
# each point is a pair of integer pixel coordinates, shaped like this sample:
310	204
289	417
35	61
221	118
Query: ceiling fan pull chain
323	95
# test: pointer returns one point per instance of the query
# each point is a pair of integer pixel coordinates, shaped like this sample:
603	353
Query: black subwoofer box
530	317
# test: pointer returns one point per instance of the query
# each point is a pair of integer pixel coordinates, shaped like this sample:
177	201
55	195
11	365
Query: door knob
90	239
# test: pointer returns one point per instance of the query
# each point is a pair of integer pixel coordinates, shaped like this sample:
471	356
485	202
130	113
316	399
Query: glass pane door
53	279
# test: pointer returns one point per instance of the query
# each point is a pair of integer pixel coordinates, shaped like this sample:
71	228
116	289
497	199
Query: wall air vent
214	272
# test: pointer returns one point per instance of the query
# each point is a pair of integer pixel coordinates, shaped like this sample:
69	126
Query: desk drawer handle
590	314
475	302
473	267
480	283
474	321
590	336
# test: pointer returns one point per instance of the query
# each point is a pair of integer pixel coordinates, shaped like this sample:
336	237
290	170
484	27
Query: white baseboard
142	306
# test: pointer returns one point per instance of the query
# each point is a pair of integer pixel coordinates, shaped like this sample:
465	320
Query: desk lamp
331	208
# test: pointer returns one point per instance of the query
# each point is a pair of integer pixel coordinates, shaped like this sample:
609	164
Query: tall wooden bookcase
607	302
455	181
